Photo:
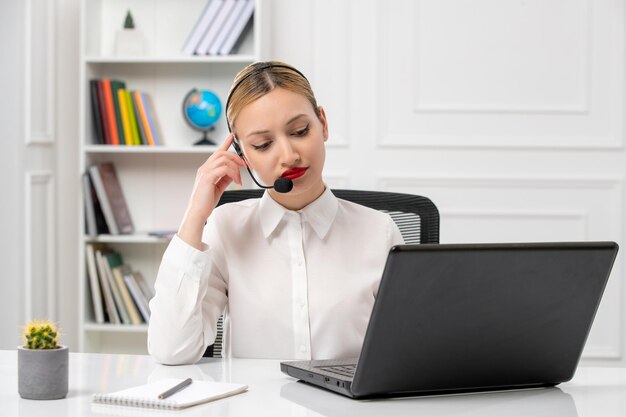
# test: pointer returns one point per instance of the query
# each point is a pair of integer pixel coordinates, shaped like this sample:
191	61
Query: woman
297	272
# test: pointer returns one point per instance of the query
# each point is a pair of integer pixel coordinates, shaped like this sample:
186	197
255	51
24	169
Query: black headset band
257	70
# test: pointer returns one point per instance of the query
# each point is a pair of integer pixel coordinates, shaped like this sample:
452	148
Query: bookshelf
156	180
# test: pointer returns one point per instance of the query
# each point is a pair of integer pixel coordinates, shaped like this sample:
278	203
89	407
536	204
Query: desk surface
592	392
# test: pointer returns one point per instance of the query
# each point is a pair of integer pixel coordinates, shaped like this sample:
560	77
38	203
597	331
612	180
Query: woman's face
281	136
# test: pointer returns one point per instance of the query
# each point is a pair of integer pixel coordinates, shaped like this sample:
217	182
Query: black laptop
458	318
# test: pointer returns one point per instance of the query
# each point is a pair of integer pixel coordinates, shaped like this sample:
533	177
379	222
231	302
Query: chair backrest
417	218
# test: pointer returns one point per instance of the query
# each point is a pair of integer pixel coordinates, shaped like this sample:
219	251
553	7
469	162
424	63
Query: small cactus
41	335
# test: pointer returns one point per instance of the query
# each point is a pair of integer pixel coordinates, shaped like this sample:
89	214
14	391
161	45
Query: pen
175	389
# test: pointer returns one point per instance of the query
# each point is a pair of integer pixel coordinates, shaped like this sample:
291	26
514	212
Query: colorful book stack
121	116
106	211
220	28
119	295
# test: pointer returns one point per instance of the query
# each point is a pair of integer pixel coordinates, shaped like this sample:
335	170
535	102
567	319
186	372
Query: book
143	118
215	27
90	213
111	198
117	85
228	26
93	211
109	302
143	286
104	121
153	120
164	234
206	18
124	115
236	35
133	118
95	112
111	260
110	112
147	395
138	297
143	139
129	304
94	284
142	104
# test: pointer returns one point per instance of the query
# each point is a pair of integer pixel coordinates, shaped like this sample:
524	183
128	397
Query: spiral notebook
147	395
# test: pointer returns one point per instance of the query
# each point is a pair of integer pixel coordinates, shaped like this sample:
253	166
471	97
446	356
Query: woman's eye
302	132
261	147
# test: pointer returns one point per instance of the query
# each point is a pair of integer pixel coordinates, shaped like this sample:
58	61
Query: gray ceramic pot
42	374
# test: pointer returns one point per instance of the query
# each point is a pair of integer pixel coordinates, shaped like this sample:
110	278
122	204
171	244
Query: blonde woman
298	271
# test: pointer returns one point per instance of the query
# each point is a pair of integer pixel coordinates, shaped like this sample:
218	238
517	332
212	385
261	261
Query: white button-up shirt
296	284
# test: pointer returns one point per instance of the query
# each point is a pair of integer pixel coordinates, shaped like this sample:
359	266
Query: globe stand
205	138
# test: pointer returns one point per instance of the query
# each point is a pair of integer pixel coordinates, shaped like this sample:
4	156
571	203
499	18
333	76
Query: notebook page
147	395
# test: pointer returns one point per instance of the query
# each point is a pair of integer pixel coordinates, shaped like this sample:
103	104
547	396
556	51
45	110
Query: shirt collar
320	214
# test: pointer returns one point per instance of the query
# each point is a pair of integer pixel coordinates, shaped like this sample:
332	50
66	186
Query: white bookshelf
156	180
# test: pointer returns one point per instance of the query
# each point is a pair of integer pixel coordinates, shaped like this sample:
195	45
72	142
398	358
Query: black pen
175	389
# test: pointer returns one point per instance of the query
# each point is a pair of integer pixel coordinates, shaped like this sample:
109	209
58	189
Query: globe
201	110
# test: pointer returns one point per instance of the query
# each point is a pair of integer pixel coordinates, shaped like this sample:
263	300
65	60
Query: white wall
10	166
508	114
38	72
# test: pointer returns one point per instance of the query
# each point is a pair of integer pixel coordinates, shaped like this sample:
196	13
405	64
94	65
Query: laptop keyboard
343	370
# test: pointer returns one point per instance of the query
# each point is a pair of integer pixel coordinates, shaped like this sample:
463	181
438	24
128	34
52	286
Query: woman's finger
227	142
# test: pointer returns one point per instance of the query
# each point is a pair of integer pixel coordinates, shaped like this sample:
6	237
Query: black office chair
417	218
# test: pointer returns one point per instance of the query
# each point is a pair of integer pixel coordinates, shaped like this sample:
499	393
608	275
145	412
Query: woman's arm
190	292
190	296
212	178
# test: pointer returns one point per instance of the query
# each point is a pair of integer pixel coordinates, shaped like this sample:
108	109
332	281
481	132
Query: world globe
201	110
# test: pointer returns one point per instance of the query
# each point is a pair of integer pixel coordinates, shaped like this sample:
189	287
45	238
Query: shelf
116	328
177	59
142	149
126	239
156	180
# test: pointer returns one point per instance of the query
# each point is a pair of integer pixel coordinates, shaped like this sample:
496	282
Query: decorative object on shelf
201	110
129	41
42	363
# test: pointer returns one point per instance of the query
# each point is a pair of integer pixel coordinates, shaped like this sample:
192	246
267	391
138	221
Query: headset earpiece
237	149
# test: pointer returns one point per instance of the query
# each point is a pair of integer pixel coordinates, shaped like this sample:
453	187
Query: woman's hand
212	178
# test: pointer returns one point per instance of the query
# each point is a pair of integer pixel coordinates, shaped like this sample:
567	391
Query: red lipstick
294	173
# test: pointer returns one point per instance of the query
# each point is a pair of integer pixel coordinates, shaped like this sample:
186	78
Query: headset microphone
281	185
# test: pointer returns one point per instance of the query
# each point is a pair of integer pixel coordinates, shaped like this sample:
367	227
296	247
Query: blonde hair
258	79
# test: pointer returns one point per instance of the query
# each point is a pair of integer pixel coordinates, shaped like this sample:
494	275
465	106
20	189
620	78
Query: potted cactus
42	364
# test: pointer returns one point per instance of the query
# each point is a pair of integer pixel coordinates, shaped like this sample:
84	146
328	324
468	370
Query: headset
281	185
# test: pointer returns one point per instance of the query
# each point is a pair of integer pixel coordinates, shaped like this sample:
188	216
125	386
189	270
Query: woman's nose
288	153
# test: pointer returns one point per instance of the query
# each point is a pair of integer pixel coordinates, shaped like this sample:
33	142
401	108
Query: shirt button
302	304
299	262
302	348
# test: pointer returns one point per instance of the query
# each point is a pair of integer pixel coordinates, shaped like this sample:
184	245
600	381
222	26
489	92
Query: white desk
593	392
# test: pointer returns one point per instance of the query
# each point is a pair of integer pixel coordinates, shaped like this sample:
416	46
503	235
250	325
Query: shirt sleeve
190	295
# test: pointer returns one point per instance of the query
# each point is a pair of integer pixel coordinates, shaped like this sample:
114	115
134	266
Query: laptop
456	318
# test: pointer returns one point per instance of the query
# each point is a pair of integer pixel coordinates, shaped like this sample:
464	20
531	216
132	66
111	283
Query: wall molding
526	181
613	186
599	117
580	108
42	182
33	31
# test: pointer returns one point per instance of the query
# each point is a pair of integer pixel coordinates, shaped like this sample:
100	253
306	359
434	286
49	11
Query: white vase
42	374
